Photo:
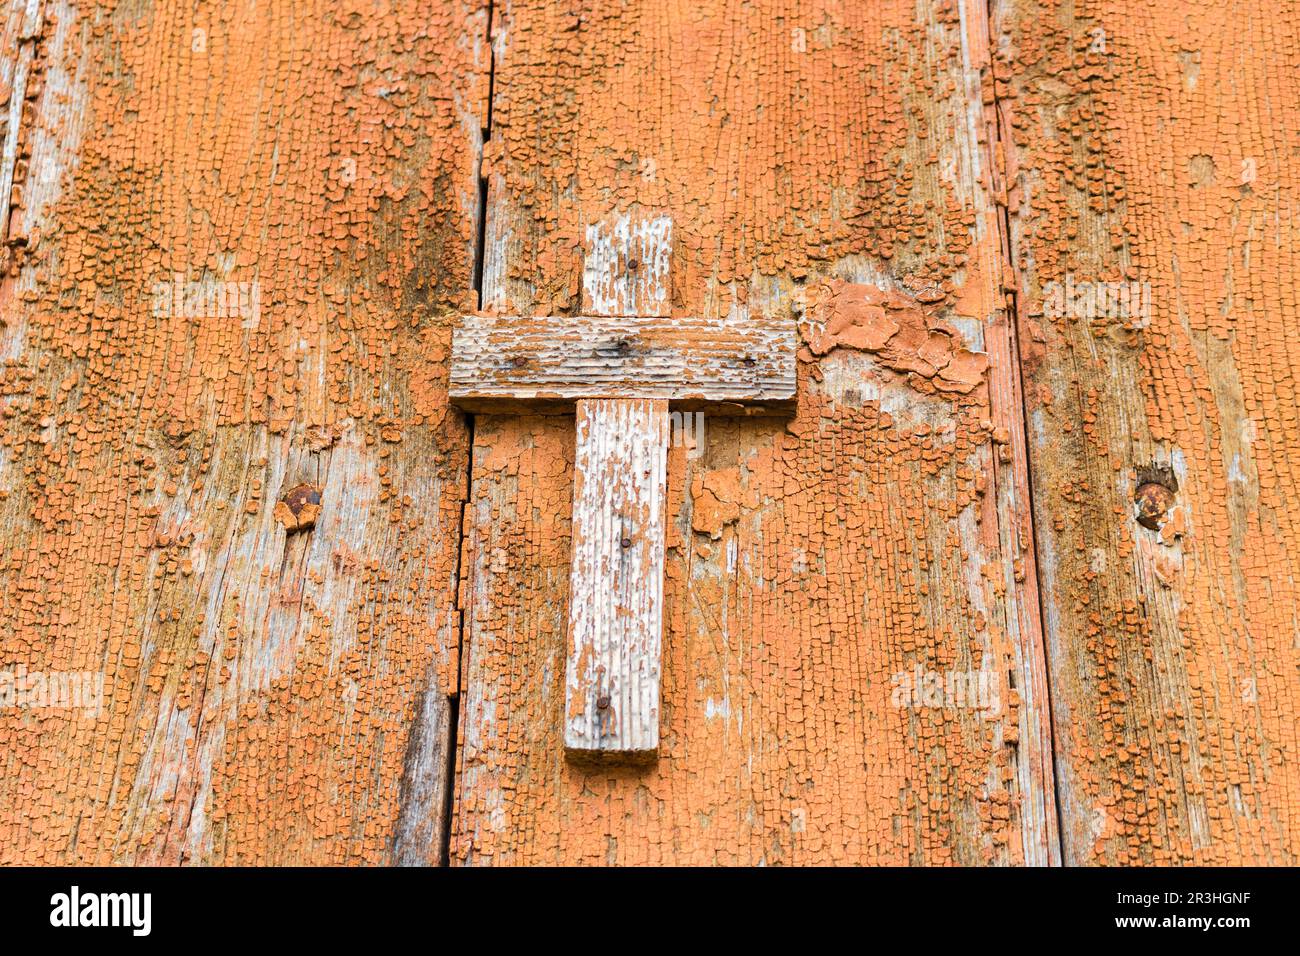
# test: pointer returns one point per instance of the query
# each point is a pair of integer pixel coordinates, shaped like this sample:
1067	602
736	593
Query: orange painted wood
1153	219
1015	584
822	574
268	696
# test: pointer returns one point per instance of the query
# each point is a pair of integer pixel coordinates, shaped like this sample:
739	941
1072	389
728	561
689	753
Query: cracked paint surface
268	698
1156	149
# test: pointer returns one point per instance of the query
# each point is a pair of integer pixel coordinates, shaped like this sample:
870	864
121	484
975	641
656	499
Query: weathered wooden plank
1002	336
19	32
612	678
747	363
274	688
627	265
815	568
1155	240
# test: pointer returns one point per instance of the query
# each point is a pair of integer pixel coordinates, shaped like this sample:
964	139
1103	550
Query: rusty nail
602	702
633	263
298	508
1157	488
1153	502
626	542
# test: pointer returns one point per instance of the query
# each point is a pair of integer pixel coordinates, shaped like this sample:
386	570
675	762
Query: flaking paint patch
899	330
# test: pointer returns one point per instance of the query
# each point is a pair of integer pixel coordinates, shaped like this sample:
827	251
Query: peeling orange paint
238	236
1155	252
898	328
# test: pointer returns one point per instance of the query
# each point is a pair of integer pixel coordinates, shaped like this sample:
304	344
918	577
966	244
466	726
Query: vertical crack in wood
454	753
485	134
1007	393
413	842
453	731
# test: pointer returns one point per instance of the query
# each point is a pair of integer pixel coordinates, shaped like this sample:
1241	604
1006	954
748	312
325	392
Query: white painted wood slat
627	267
612	683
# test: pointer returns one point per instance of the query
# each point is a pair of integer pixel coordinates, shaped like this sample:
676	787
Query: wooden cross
620	364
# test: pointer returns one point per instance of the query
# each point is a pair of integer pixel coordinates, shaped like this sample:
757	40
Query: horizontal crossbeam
547	363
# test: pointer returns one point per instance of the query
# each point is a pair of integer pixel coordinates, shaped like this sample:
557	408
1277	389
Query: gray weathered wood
551	361
612	681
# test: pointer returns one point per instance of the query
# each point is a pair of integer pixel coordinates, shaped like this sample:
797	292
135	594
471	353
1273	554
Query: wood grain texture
1150	153
612	675
499	362
268	697
830	165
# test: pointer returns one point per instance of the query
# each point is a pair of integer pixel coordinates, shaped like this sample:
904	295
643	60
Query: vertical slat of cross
619	365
